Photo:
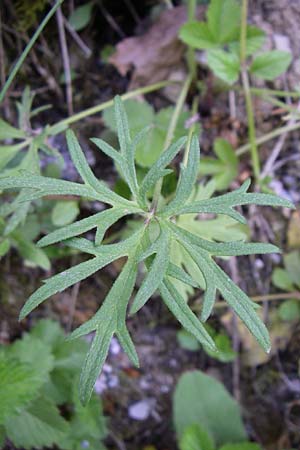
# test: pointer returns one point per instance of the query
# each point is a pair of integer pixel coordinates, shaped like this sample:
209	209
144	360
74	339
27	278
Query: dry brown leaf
156	54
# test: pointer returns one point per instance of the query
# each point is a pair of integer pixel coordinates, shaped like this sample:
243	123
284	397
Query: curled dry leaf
155	54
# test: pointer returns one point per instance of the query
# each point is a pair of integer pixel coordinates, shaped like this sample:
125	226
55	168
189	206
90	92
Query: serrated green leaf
187	178
224	65
235	297
223	19
181	275
196	438
109	320
270	65
7	153
198	35
9	132
254	41
63	280
19	384
85	172
158	169
224	204
155	274
39	426
178	306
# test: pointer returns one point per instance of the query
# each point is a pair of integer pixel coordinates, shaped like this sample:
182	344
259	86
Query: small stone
140	410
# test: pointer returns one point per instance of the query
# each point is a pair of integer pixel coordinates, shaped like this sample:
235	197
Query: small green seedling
220	37
149	244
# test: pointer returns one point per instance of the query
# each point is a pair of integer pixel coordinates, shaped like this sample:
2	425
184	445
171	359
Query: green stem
247	92
276	93
192	4
95	109
28	48
267	137
170	134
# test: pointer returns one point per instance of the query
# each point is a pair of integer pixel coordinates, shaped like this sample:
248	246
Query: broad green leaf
225	168
196	438
200	399
188	341
224	352
156	273
198	35
281	279
223	19
224	65
81	16
292	265
64	213
9	132
255	40
39	426
19	384
270	65
241	446
289	310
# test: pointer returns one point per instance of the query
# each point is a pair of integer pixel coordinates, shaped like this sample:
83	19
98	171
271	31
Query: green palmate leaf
196	438
198	35
224	65
271	64
224	204
39	426
179	258
223	19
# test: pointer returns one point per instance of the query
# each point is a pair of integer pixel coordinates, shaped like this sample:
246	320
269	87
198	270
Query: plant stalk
247	92
27	49
191	13
95	109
